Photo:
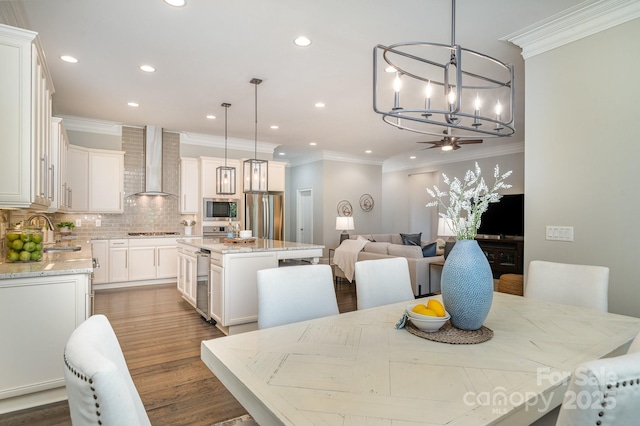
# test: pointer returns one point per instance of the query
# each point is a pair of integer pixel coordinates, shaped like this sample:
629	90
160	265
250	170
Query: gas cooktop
152	234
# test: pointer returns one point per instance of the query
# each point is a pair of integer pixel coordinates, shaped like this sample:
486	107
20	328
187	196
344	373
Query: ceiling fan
449	143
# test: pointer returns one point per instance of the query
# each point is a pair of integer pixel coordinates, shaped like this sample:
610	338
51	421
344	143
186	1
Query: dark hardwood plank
160	335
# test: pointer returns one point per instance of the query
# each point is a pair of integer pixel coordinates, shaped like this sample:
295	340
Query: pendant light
255	170
225	176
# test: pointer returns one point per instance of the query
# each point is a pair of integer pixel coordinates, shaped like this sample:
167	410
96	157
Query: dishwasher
203	289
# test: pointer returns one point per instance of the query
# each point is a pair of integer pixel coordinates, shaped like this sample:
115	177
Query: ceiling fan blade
429	142
469	141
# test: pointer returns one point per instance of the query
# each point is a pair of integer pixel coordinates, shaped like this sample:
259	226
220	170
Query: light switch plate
559	233
78	222
98	223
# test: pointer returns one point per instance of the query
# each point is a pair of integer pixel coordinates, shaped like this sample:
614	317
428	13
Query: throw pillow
411	239
430	249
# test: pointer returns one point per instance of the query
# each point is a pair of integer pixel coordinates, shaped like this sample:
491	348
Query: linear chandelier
255	170
225	176
434	88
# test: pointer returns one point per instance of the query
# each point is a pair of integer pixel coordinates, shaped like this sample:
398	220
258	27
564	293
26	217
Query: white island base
233	302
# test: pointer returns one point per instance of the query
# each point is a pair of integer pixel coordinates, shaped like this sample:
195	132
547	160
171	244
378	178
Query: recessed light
133	104
176	3
320	105
302	41
211	117
69	59
281	153
368	151
313	143
147	68
274	127
413	157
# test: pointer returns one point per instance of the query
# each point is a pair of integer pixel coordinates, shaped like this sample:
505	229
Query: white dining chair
604	392
578	285
295	293
99	385
382	281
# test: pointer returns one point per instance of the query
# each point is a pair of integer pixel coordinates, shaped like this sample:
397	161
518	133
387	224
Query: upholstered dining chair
382	281
295	293
99	385
604	391
578	285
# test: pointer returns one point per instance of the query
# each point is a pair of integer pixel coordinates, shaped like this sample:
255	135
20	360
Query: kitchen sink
58	249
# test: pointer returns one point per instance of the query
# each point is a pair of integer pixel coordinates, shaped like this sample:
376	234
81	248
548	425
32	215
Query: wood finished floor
160	335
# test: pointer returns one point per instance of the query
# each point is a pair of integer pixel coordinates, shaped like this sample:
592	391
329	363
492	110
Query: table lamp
445	229
344	224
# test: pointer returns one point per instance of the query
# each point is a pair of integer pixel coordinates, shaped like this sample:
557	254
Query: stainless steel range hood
152	148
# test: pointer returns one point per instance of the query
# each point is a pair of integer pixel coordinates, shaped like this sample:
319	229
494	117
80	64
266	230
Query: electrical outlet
98	223
559	233
78	222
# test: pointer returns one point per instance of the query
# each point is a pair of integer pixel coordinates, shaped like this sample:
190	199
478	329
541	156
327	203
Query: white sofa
424	279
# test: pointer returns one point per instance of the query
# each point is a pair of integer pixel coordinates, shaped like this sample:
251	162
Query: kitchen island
233	298
41	303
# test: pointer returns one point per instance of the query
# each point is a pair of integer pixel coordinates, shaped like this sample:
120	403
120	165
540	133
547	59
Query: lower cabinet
216	277
100	254
118	260
39	314
137	259
187	265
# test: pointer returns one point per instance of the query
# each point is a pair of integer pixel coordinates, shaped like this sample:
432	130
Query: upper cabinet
25	121
276	180
208	167
58	181
189	186
95	180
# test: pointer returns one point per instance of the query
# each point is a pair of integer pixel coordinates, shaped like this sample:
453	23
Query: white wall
581	155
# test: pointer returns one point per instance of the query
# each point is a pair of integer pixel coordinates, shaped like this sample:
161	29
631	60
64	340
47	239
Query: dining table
357	368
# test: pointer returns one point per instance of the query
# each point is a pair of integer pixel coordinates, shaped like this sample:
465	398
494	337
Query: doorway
304	217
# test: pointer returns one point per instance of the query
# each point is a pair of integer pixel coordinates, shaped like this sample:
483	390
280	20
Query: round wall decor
366	202
344	208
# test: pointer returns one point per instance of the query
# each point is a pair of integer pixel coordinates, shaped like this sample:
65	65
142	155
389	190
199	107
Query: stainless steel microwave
220	209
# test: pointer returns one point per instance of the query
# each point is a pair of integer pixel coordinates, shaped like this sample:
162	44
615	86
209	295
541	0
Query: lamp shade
255	176
344	223
225	180
445	228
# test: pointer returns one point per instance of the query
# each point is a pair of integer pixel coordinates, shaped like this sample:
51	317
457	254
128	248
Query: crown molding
486	152
580	21
81	124
232	143
332	156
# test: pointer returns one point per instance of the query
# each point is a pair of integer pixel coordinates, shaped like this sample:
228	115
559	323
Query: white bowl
246	234
423	317
430	325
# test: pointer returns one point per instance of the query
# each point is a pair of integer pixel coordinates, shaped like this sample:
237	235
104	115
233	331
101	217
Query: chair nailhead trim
81	376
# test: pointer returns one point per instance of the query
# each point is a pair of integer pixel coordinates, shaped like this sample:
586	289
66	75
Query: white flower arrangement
464	196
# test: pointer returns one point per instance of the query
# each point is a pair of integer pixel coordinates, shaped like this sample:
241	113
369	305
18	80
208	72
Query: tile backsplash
141	213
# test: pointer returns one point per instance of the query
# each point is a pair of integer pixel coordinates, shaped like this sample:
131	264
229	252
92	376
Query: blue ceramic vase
467	285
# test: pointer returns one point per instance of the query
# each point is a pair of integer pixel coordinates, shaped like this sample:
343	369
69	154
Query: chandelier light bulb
477	103
397	84
452	96
428	90
498	109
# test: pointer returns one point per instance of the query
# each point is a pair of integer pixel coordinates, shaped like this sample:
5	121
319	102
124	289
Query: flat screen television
504	218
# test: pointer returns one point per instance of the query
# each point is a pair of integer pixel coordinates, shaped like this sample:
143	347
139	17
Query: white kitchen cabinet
189	186
58	182
95	180
106	181
100	254
39	313
187	272
208	166
216	281
78	179
25	121
276	172
152	258
118	260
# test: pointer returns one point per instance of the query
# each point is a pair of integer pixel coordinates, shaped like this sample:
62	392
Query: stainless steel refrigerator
265	215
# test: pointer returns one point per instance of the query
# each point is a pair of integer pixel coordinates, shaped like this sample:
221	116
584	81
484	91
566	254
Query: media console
505	254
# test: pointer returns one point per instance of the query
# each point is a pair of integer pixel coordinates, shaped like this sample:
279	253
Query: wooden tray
239	240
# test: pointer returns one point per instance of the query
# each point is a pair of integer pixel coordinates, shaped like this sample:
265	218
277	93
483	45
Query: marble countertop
260	245
59	263
127	236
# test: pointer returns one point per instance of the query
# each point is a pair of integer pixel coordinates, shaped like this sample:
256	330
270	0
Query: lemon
436	307
419	309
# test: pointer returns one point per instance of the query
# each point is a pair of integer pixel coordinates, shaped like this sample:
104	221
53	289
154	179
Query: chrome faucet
42	216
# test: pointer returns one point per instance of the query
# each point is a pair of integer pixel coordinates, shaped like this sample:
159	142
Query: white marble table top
357	369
